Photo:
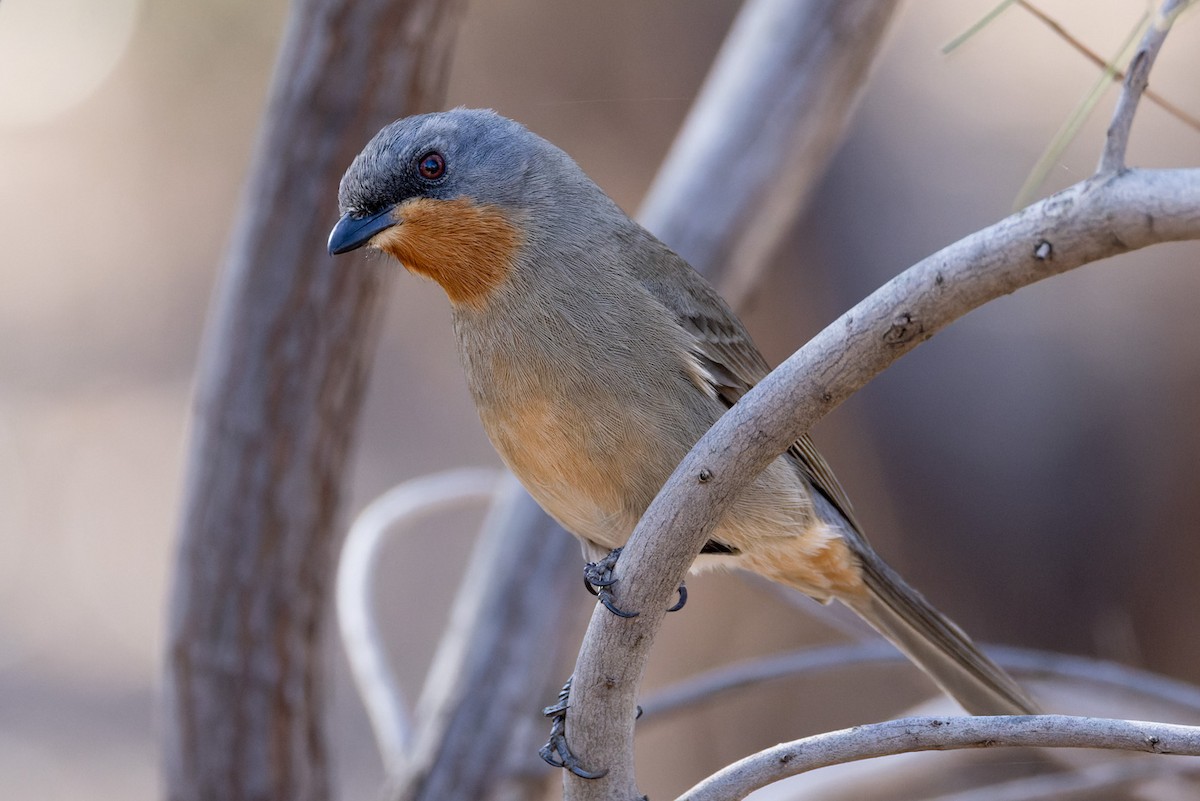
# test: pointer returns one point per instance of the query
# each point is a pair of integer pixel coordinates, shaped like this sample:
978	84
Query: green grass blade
1070	128
962	38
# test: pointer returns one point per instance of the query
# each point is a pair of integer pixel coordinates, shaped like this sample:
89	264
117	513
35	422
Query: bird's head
449	195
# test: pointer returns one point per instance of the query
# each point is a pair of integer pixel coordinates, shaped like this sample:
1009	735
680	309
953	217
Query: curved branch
1097	218
478	724
784	86
727	678
354	594
941	734
1090	780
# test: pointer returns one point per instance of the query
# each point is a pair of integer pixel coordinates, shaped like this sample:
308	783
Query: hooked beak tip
351	233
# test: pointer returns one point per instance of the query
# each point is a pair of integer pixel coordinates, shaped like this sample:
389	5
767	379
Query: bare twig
784	86
1099	672
1094	57
703	687
727	678
1137	77
478	720
1095	219
1066	133
1082	782
941	734
355	594
979	25
773	109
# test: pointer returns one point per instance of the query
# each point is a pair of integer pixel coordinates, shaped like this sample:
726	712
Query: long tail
929	638
938	646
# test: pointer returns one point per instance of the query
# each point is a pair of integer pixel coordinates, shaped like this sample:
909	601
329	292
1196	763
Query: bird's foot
682	599
598	578
555	751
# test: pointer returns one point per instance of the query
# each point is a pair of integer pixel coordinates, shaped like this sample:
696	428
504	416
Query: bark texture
277	401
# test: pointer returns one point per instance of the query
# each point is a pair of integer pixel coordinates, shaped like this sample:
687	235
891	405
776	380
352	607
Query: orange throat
466	247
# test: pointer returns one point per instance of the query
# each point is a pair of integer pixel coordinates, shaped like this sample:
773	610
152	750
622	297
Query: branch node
1043	251
904	328
704	476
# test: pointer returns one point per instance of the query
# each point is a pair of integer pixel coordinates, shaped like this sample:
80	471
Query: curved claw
605	597
598	577
682	599
555	752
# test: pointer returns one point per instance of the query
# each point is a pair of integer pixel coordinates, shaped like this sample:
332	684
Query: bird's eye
432	166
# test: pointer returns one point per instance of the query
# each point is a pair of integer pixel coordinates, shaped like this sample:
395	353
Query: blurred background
1032	469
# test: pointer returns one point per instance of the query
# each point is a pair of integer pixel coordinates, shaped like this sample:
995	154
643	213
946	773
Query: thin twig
1118	772
355	594
969	33
1117	74
1066	133
941	734
1097	218
703	687
1136	80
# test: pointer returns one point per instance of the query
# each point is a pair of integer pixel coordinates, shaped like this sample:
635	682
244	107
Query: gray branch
705	686
1137	78
478	720
278	393
1114	212
1095	219
941	734
776	102
774	107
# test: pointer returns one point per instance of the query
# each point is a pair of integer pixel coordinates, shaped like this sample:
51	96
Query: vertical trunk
278	396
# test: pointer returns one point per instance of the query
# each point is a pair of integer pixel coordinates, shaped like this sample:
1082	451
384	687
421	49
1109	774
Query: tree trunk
277	401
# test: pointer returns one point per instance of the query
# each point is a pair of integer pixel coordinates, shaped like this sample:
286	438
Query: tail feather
925	635
938	646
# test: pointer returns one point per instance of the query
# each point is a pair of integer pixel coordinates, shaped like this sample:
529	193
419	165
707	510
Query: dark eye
431	166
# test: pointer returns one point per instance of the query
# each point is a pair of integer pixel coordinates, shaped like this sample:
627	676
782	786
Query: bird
597	357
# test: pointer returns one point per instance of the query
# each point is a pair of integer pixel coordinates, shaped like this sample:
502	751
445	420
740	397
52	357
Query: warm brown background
1033	469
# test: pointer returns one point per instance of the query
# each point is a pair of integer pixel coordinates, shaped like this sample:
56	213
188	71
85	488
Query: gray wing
728	354
895	609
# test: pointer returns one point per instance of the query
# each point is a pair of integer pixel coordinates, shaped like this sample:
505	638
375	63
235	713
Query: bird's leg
555	751
598	578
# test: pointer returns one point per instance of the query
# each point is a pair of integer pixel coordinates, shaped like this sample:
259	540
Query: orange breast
465	246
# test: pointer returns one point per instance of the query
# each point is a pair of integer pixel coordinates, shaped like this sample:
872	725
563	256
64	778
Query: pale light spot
54	53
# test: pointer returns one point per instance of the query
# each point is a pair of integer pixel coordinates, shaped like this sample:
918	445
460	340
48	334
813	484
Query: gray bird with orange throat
597	357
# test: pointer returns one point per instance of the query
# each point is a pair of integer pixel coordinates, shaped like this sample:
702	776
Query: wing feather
729	358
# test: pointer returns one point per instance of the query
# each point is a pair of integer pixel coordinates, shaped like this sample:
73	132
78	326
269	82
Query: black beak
352	233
